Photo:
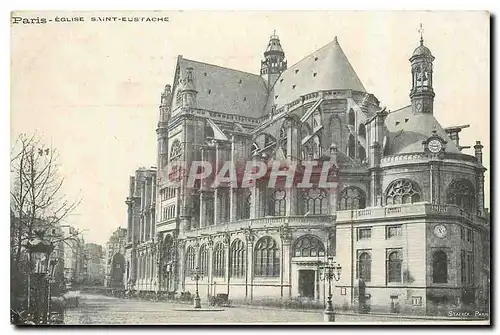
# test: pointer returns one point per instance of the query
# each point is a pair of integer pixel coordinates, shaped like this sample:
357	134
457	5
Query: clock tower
422	93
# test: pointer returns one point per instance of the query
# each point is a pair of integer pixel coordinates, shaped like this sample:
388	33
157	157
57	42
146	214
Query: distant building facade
73	255
94	274
115	259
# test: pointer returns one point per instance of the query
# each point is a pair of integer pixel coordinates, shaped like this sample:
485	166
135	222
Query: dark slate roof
325	69
226	90
407	131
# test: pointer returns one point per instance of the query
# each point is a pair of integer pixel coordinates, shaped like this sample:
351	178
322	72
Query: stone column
285	274
227	250
181	261
210	244
250	239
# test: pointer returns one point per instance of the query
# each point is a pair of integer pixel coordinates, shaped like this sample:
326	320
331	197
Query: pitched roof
407	131
226	90
325	69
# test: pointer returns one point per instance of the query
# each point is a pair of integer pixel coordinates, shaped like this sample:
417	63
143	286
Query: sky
92	89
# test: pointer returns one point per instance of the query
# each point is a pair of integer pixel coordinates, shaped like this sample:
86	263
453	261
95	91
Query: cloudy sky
92	89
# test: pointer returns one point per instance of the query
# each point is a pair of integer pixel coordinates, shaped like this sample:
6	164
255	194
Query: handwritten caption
73	19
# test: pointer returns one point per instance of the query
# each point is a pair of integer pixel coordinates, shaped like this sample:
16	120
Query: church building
405	218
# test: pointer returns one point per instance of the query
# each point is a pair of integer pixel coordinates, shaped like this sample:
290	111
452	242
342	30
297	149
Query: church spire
274	63
422	92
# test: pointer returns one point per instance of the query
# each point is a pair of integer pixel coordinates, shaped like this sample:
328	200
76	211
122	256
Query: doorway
306	283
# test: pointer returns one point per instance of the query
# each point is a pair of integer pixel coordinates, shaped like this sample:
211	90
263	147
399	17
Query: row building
405	217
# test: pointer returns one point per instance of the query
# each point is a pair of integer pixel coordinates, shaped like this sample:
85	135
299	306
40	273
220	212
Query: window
267	261
394	261
175	151
219	261
392	231
463	278
336	131
469	235
364	233
352	198
416	301
462	233
283	139
439	267
362	130
190	261
351	147
309	246
178	97
470	268
350	117
361	153
364	266
277	203
402	191
204	260
244	204
314	202
238	261
461	193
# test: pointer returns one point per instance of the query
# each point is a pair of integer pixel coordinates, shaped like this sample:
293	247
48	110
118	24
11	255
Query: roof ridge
399	109
310	54
222	67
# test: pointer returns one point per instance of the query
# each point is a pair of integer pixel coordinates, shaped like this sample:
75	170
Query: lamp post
328	271
197	275
39	254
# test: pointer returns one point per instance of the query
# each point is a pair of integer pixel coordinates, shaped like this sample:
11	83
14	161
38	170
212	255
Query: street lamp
328	271
39	252
197	275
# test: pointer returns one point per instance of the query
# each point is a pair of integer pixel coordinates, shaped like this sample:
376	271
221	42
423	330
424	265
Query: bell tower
422	92
274	63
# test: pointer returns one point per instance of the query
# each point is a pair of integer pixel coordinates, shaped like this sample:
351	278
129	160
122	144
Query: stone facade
405	216
115	259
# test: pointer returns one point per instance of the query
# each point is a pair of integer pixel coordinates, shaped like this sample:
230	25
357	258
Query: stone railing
416	209
263	222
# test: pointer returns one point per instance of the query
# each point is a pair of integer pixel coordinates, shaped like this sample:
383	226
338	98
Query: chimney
478	150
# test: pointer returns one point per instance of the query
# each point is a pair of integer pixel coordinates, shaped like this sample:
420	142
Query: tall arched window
361	153
351	147
204	259
362	130
350	117
402	191
277	203
267	260
314	202
336	131
352	198
461	193
175	151
238	261
439	267
309	246
365	266
283	139
394	262
190	261
219	262
244	206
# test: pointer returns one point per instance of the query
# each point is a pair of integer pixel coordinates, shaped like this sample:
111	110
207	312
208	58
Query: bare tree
37	200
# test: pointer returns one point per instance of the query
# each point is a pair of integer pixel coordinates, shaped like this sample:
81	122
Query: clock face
435	146
440	231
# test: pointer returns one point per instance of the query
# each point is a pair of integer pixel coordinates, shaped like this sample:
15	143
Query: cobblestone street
95	310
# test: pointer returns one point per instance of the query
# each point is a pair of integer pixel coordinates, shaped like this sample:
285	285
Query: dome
422	50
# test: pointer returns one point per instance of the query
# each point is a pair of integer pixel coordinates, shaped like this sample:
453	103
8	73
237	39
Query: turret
188	91
274	63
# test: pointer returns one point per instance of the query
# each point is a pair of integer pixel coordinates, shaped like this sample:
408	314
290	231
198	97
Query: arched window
219	262
336	131
283	139
402	191
461	193
245	203
352	198
168	249
351	147
365	266
439	267
307	152
314	202
238	261
175	151
190	261
267	261
277	203
204	259
361	153
350	117
394	261
362	130
309	246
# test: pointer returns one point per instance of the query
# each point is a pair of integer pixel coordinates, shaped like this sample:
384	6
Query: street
98	310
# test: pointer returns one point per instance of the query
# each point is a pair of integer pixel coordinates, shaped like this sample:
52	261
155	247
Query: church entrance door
306	283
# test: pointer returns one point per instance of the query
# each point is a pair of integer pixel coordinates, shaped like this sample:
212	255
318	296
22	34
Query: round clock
440	231
435	146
